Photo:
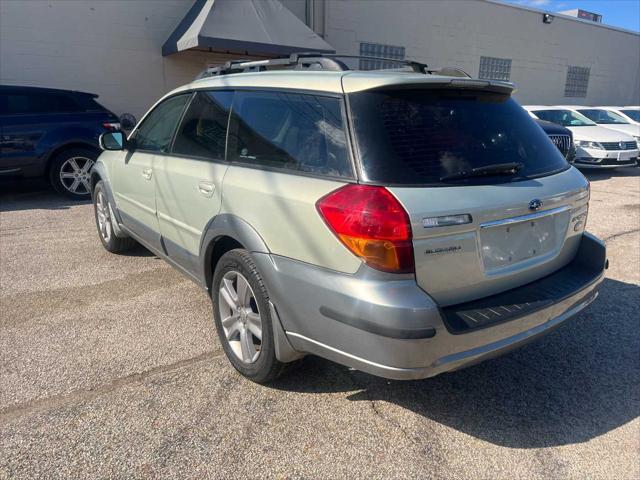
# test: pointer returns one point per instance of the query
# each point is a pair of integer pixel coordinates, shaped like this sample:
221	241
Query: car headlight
588	144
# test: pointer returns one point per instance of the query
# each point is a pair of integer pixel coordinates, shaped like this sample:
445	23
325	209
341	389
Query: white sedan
631	114
596	146
610	119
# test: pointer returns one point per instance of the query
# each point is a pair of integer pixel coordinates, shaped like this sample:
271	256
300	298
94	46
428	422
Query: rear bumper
391	328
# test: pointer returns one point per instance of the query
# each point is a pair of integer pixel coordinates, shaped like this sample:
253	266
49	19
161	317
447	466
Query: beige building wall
458	32
112	48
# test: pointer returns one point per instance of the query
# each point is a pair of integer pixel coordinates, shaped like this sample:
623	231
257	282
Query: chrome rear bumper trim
525	218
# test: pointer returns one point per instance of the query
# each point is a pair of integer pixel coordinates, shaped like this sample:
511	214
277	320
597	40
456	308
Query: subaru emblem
535	204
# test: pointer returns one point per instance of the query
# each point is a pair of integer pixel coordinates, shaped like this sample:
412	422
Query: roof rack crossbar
301	61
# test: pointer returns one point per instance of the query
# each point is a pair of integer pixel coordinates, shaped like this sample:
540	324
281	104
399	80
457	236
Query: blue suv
52	134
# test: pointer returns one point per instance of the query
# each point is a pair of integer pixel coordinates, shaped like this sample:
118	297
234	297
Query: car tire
104	222
252	355
70	173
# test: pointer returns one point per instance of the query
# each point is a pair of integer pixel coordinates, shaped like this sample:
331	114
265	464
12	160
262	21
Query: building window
378	50
492	68
577	82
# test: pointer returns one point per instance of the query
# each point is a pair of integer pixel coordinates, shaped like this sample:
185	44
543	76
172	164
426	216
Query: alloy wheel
240	316
104	217
75	175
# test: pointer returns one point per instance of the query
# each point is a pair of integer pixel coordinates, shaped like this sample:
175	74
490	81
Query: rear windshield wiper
495	169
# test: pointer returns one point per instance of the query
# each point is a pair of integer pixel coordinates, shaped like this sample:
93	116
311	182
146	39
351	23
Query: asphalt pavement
110	367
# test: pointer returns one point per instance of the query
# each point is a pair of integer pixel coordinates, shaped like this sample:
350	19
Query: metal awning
253	27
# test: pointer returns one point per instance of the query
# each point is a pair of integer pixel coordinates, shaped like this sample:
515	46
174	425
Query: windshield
603	117
566	118
632	114
417	137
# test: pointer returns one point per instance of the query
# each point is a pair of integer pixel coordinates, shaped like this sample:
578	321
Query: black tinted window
420	136
603	116
203	130
566	118
156	132
289	130
36	102
633	114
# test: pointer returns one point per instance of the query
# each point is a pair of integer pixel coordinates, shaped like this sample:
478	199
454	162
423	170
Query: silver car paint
307	267
460	272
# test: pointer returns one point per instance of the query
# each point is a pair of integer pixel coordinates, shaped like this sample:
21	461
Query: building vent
577	82
492	68
378	50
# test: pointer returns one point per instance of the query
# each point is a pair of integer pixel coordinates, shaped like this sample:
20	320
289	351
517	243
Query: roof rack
316	61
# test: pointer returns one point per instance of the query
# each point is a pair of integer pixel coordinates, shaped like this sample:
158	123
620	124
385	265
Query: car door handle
146	173
206	188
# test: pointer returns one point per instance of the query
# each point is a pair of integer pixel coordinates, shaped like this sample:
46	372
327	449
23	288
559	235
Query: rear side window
89	103
203	130
38	103
292	131
417	137
156	132
603	116
566	118
632	114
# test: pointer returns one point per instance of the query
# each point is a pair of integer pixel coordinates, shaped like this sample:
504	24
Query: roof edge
563	16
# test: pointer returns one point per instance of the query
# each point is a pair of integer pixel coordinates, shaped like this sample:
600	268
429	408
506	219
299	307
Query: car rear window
417	137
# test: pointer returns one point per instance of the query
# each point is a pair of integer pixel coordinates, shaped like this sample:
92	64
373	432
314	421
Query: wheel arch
67	146
224	233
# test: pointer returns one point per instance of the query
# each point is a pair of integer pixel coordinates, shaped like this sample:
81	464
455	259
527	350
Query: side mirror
127	121
112	141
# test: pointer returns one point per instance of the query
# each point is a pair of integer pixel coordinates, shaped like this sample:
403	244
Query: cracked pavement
110	367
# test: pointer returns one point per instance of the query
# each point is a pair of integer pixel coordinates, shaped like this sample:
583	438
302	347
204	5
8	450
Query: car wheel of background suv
70	172
243	319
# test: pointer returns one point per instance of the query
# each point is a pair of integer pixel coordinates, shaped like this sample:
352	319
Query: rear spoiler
353	82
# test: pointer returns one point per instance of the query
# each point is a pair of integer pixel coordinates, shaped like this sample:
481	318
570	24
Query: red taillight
372	224
111	125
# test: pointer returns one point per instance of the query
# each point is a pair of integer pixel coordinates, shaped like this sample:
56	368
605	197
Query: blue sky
618	13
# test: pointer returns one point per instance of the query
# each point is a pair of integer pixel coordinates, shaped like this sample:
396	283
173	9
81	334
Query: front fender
99	172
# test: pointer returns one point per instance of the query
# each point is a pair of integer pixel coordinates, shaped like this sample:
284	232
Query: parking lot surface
110	367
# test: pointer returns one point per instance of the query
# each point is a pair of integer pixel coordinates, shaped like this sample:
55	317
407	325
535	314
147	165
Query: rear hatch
493	204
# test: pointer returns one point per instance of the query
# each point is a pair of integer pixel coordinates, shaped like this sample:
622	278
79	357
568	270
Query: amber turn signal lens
372	224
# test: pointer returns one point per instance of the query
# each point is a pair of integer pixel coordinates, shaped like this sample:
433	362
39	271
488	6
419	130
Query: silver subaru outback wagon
404	222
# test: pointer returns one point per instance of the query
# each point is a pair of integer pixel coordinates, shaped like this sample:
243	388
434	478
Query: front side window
566	118
298	132
423	136
632	114
156	131
203	130
603	116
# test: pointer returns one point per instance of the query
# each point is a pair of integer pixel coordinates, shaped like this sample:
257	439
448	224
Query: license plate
624	156
508	244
